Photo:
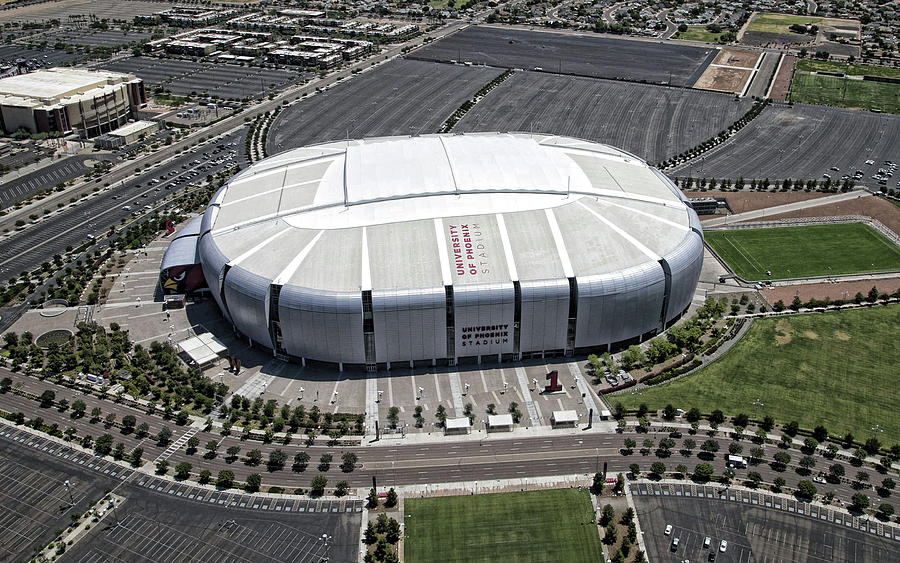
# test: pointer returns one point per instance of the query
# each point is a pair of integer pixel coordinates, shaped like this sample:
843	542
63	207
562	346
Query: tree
104	444
710	446
755	477
619	488
317	487
162	466
607	515
669	412
782	459
807	462
47	398
703	471
688	444
810	444
635	470
392	533
95	414
325	462
232	452
393	416
348	462
370	537
142	430
611	535
598	483
391	500
254	457
136	455
885	511
820	433
128	423
658	468
78	408
777	484
717	416
836	470
860	502
735	449
301	460
211	448
277	458
225	479
372	499
183	470
164	436
254	481
791	428
805	489
693	415
872	446
341	488
768	423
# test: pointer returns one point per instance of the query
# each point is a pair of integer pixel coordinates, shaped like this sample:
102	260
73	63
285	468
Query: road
768	211
395	462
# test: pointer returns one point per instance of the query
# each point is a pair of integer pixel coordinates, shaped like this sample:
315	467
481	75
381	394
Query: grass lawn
812	65
779	23
700	33
836	369
797	252
843	92
534	526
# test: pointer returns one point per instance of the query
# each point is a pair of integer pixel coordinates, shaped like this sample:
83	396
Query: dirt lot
736	57
842	290
782	82
751	201
723	79
884	211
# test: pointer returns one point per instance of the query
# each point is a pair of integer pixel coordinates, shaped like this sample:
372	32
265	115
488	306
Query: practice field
533	526
837	369
799	252
780	23
699	33
813	65
845	92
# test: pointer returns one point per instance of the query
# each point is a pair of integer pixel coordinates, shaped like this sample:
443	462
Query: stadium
440	249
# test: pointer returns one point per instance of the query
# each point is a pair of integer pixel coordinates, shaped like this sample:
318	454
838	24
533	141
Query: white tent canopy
564	417
499	420
203	349
457	423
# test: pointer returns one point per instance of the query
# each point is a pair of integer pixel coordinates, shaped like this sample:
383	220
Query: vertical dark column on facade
517	317
663	315
274	319
224	273
573	317
451	326
368	330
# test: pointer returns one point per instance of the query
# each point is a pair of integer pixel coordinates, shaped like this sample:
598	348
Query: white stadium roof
398	212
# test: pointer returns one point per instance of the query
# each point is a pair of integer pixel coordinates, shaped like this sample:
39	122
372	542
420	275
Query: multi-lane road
394	461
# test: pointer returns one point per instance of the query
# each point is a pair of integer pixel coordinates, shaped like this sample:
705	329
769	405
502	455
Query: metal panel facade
619	305
685	264
484	318
545	312
322	325
246	295
213	261
410	324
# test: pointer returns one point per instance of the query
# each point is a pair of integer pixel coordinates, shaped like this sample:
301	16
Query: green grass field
813	65
699	33
842	92
533	526
779	23
836	369
798	252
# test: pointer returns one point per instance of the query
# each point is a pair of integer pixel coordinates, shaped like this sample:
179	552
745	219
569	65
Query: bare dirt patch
841	335
783	334
781	85
811	335
736	57
723	79
834	291
751	201
885	212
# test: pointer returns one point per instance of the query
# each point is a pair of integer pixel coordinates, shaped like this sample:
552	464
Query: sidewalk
477	435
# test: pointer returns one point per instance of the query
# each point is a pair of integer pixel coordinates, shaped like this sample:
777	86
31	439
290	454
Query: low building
127	134
63	100
499	423
564	419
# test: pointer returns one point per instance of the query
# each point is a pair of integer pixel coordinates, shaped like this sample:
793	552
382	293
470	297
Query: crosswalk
177	444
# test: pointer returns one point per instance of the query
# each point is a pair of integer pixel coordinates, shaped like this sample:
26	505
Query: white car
723	546
668	529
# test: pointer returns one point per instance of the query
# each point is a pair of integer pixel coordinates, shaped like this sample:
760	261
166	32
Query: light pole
69	490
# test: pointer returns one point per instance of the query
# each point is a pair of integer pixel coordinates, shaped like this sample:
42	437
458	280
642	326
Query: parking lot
44	178
65	9
97	38
803	141
757	526
184	78
652	122
42	58
161	520
402	97
34	500
574	53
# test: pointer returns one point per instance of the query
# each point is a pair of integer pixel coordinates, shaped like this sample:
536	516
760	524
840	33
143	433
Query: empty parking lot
652	122
757	526
574	53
